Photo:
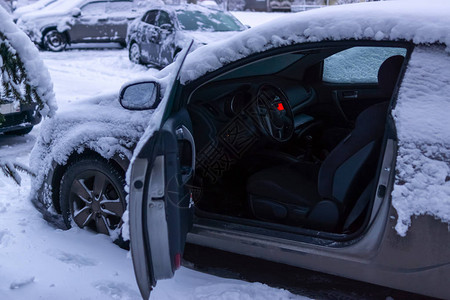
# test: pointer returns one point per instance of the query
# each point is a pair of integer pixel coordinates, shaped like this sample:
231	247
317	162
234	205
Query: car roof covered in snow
411	20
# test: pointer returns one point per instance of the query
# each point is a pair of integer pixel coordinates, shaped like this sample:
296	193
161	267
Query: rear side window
150	17
358	64
163	18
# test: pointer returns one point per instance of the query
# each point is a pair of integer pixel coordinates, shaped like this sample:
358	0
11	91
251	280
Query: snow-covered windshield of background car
201	21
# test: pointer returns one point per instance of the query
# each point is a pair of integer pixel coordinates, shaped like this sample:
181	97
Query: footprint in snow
21	283
5	237
117	290
72	259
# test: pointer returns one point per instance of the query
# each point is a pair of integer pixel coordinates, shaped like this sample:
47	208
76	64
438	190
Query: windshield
207	21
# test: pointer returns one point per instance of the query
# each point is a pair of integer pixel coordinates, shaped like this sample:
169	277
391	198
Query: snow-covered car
319	140
25	85
162	32
79	21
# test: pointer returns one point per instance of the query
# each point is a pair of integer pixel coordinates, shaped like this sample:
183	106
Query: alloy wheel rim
96	202
134	53
55	40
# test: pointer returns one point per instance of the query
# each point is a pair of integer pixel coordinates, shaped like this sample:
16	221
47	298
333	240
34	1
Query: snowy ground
38	261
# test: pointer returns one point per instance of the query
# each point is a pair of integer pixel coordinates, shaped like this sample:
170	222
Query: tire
92	196
54	40
20	131
134	53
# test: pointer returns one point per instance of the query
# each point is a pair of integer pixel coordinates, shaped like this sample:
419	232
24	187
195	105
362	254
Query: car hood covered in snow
100	124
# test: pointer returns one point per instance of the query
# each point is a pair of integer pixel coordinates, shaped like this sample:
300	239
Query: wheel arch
118	161
131	42
54	27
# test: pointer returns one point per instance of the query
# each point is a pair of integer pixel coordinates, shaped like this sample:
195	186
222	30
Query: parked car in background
26	91
79	21
161	33
320	140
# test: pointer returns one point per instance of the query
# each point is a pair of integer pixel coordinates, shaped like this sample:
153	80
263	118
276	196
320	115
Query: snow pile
37	73
99	124
422	185
38	261
394	20
190	285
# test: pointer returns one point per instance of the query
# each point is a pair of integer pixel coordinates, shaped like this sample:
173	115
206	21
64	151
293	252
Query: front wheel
54	40
134	54
92	196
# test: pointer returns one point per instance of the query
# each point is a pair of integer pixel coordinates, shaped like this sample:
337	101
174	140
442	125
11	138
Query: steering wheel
274	114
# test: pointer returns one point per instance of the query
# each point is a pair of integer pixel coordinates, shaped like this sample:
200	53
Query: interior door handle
351	95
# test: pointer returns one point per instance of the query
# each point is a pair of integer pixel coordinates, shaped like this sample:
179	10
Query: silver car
320	140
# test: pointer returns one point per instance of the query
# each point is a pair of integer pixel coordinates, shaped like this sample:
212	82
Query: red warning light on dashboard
280	106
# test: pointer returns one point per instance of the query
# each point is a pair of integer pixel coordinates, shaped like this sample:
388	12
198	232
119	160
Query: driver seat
321	197
304	194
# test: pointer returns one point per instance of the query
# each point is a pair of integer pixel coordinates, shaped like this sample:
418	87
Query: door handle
350	95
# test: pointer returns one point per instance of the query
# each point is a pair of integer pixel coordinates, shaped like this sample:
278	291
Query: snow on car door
90	25
159	203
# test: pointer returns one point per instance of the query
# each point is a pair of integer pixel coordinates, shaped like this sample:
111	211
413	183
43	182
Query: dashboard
217	104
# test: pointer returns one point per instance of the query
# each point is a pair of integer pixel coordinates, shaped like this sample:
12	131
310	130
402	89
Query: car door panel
160	209
351	99
90	25
161	199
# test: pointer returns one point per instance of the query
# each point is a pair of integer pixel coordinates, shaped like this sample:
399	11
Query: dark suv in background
79	21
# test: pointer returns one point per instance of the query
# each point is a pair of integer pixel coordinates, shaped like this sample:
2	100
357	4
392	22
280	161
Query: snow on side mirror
140	96
76	12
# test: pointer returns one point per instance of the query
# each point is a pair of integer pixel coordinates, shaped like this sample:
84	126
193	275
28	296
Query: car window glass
357	64
163	18
118	7
207	21
93	9
150	17
267	66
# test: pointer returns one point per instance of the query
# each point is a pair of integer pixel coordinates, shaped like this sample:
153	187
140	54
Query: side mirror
140	96
167	27
76	12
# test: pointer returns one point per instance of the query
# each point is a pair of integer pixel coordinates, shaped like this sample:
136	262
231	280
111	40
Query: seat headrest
388	73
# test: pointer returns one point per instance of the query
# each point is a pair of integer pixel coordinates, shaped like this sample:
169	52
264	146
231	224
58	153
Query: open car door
160	205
